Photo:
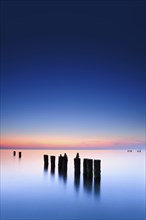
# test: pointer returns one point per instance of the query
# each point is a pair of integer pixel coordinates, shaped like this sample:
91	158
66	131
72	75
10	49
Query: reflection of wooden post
46	161
14	153
97	186
97	169
19	154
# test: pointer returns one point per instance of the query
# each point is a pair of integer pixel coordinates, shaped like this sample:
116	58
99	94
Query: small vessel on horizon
129	150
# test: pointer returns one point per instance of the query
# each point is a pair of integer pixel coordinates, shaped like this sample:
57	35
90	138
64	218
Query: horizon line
75	148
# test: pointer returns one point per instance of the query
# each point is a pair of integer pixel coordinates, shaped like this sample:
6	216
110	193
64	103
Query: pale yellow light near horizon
52	140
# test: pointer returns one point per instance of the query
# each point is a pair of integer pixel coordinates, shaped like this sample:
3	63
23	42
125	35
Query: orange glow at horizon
60	141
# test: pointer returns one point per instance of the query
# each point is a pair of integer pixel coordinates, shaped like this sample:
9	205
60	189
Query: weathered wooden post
97	169
89	168
14	153
52	161
77	165
60	161
19	154
52	164
77	156
64	165
46	160
85	167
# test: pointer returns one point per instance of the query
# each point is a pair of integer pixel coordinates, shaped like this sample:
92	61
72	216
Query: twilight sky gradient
73	73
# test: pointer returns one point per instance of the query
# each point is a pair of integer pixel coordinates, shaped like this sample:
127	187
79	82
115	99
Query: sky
72	73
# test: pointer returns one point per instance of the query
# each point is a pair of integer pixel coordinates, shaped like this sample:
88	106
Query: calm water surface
30	192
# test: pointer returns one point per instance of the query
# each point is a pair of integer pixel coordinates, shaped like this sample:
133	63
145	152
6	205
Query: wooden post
62	166
97	169
60	159
89	168
52	161
52	164
77	164
85	167
77	156
46	161
65	160
19	154
14	153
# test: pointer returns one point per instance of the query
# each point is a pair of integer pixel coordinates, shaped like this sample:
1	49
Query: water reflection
52	170
62	174
82	198
45	168
91	186
77	181
87	184
97	182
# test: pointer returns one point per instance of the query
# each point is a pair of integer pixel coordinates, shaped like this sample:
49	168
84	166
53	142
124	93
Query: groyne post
46	159
19	154
97	168
77	164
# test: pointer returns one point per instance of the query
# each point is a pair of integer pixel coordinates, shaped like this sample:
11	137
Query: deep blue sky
73	69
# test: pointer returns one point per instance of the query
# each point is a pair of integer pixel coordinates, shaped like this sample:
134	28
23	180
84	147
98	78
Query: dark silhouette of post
97	186
52	161
87	183
45	167
46	160
65	161
88	168
97	169
60	163
52	164
14	153
62	166
19	154
77	181
77	156
85	167
77	165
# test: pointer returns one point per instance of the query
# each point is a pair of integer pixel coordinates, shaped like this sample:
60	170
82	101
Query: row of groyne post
19	154
62	162
90	167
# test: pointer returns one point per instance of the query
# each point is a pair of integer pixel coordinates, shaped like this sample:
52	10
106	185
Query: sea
32	191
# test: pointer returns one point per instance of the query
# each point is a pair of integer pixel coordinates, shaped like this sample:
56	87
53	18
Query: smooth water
28	191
